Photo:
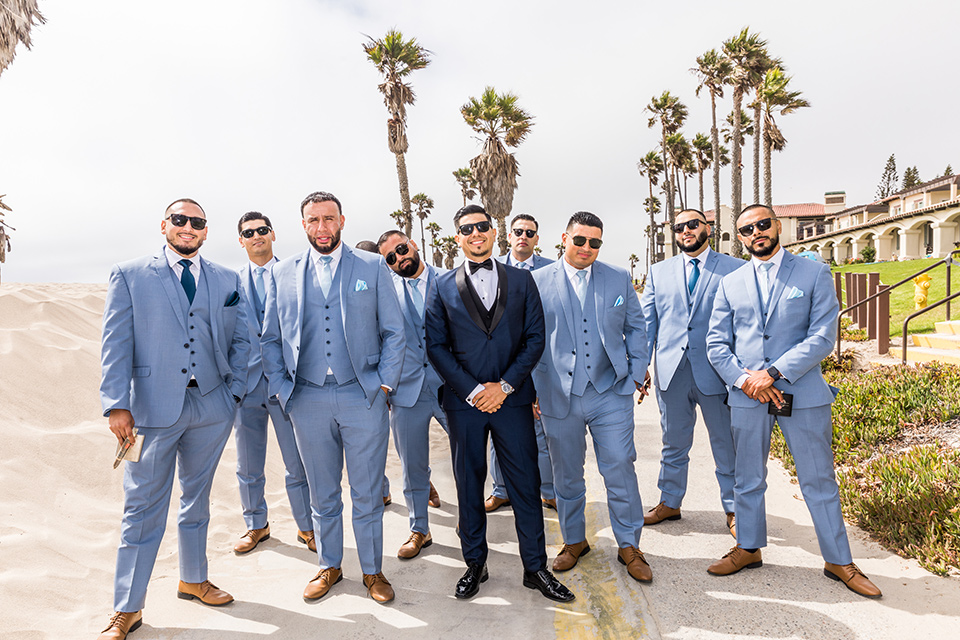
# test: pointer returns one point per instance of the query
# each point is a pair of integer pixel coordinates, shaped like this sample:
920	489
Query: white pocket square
361	286
619	301
795	293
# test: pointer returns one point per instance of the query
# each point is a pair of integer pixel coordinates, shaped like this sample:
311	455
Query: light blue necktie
582	287
326	274
258	283
694	275
187	280
416	296
764	282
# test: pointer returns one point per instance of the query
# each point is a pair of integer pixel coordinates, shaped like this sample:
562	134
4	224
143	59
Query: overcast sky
122	107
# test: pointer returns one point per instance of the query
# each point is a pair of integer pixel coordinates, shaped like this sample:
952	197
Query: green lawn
901	299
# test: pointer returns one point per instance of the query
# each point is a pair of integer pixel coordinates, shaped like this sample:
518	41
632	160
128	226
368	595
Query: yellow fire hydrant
921	286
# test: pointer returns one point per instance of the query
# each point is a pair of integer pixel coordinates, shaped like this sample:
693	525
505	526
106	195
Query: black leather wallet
786	410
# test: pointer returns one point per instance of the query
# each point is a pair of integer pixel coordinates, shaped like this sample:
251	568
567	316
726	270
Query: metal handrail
920	312
947	261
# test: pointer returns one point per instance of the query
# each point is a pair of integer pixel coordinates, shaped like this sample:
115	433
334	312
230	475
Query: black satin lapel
501	300
466	298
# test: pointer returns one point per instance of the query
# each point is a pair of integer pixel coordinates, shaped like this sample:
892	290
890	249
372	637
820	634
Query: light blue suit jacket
799	332
144	328
621	325
414	359
370	312
677	325
255	365
538	261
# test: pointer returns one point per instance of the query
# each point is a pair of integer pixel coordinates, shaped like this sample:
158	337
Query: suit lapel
783	274
501	301
563	290
164	273
466	298
598	297
302	273
216	302
347	262
706	273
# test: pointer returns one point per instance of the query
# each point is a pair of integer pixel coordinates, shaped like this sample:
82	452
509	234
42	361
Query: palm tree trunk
756	152
700	180
667	186
502	234
676	181
736	169
652	237
767	173
423	237
404	193
715	139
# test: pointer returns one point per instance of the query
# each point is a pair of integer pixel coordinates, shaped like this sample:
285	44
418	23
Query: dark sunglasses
762	225
689	224
248	233
467	229
530	232
579	241
179	220
401	250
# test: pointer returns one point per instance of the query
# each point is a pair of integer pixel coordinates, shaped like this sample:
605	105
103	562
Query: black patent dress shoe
469	584
549	586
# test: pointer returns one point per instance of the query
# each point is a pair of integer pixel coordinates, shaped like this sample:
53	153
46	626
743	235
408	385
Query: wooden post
838	285
861	280
848	287
854	299
873	281
883	321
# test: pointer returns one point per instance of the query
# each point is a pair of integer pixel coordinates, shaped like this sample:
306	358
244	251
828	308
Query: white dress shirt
174	258
688	264
335	254
485	282
572	272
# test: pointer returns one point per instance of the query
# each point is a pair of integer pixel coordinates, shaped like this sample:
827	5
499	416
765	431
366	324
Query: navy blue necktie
187	281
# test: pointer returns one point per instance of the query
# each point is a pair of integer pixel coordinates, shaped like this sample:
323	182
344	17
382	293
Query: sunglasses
467	229
248	233
762	225
579	241
179	220
401	250
519	232
689	224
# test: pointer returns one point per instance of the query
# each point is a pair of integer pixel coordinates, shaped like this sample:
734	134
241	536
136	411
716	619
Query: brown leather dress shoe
550	503
660	513
206	592
121	623
307	538
569	556
732	524
493	503
387	500
636	564
321	583
250	540
378	587
434	500
411	548
850	575
735	560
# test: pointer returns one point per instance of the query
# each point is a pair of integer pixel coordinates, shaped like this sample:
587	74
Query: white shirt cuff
739	383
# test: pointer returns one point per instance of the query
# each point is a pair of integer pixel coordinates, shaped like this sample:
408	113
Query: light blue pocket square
619	301
795	293
361	286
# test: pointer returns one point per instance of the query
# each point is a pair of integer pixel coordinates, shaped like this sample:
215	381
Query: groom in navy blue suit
485	333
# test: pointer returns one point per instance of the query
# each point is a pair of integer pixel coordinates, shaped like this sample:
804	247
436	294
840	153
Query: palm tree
537	250
633	262
4	234
678	152
434	230
424	204
746	53
401	218
396	58
746	126
17	19
467	182
501	121
713	69
651	165
671	114
702	149
559	248
450	250
775	98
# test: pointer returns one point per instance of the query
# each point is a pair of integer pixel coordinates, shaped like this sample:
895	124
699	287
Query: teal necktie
694	275
187	281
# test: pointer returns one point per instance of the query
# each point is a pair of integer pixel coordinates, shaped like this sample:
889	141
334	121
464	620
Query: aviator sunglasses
248	233
579	241
401	250
530	232
762	225
467	229
689	224
179	220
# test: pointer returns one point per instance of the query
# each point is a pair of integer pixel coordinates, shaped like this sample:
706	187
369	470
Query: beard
409	266
325	249
183	249
695	245
766	251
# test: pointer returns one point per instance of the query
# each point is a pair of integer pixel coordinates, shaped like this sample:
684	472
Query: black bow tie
476	266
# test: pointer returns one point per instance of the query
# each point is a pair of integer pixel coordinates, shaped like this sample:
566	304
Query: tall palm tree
634	259
501	121
17	19
651	165
746	126
450	250
467	182
4	234
434	230
395	59
712	70
559	248
401	219
670	113
424	204
775	98
746	52
678	153
702	149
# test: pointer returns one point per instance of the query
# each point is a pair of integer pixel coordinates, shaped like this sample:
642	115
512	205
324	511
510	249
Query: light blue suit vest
324	344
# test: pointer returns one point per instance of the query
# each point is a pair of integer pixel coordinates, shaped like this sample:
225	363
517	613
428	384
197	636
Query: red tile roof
803	210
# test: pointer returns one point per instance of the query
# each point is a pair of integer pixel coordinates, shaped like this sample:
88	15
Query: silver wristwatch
505	387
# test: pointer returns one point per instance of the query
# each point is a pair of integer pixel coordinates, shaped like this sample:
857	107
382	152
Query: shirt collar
335	254
254	266
516	263
173	257
702	257
776	260
572	270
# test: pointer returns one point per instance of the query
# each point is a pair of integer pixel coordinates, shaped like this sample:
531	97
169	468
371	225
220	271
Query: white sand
60	504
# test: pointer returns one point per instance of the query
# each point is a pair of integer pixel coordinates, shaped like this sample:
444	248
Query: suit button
327	330
191	326
327	318
298	348
191	339
191	314
489	337
328	342
588	366
424	365
259	336
766	359
328	355
183	370
193	352
569	373
689	328
766	337
294	372
186	346
573	352
326	307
